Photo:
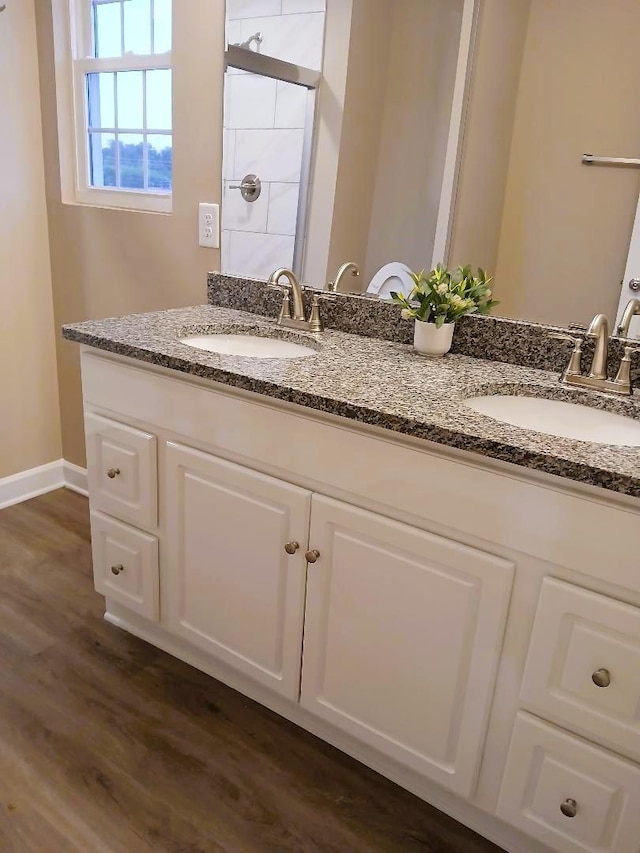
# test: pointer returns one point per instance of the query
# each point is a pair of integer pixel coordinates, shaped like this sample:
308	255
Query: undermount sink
559	418
249	346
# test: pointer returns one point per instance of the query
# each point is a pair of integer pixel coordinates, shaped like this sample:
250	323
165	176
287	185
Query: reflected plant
442	296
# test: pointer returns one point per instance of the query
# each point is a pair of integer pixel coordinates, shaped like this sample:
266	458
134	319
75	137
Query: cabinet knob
569	808
291	547
117	569
312	556
601	678
112	473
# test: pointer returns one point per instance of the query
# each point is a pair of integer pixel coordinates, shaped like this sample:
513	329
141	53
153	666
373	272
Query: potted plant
438	299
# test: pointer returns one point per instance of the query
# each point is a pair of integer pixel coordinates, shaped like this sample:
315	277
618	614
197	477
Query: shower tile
250	101
273	155
258	255
283	208
228	153
252	8
291	105
241	215
294	38
293	6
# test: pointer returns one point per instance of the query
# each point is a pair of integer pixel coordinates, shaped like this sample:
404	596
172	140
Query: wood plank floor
107	744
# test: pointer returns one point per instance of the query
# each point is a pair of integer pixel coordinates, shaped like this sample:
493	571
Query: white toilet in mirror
393	277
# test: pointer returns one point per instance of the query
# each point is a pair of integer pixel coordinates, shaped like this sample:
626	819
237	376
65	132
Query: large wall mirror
434	130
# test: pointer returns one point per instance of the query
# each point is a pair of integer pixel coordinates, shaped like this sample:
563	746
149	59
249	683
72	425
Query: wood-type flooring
108	745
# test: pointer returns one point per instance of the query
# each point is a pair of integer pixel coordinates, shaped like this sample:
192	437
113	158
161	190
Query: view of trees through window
132	162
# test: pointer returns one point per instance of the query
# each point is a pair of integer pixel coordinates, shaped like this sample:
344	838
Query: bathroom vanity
453	601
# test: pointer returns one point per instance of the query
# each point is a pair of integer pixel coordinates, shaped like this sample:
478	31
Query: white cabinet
229	585
403	632
569	794
121	466
125	565
583	666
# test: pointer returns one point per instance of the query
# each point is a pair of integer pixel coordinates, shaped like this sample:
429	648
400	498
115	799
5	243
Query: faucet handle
560	336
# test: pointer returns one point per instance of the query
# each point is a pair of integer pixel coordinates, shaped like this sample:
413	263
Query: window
120	76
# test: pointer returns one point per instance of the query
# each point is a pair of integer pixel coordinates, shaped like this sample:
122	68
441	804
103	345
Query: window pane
159	100
102	159
160	162
137	26
161	26
130	148
130	100
101	94
107	34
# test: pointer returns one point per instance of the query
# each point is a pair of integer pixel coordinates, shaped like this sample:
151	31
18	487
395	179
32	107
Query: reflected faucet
632	309
349	267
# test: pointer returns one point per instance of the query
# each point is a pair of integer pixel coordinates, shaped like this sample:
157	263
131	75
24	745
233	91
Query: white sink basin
555	417
250	346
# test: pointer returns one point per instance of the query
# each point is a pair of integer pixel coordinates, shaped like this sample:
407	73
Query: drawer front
583	666
122	469
125	565
569	794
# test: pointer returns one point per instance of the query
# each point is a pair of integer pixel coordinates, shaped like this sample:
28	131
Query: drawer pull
291	547
117	569
112	473
312	556
601	678
569	808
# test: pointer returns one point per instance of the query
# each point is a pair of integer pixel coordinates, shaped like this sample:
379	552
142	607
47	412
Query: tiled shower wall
264	123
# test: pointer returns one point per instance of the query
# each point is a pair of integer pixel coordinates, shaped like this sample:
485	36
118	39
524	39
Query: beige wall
565	227
385	149
418	99
366	85
30	430
475	236
109	262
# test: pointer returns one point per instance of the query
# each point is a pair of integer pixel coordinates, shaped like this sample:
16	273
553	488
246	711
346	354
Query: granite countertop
379	382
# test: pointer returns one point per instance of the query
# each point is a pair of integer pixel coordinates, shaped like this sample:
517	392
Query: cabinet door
121	465
568	793
583	666
403	632
228	585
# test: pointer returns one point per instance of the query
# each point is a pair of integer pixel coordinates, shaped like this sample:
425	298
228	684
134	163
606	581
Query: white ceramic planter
431	341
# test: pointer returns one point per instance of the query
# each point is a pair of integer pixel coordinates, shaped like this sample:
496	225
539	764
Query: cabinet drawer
125	565
583	666
569	794
122	469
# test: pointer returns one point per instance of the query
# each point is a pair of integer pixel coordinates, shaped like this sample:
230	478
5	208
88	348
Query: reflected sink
556	417
249	346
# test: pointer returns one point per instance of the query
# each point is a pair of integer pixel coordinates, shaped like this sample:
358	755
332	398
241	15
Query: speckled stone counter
378	382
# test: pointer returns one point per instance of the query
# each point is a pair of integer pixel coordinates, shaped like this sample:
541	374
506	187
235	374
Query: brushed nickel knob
291	547
112	473
117	569
569	808
601	678
311	556
634	284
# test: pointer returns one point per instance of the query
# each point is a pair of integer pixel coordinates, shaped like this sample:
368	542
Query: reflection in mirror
361	178
551	82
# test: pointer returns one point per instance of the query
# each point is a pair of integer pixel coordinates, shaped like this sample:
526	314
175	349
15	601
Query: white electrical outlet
209	225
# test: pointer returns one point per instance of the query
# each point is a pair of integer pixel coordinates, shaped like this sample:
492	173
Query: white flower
442	288
457	300
405	314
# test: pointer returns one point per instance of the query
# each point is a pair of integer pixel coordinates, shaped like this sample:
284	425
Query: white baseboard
75	478
37	481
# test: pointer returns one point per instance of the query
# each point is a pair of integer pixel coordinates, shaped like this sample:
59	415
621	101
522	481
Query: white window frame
73	45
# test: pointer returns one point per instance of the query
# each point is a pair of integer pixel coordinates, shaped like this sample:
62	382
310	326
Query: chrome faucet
597	376
632	309
349	267
293	287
